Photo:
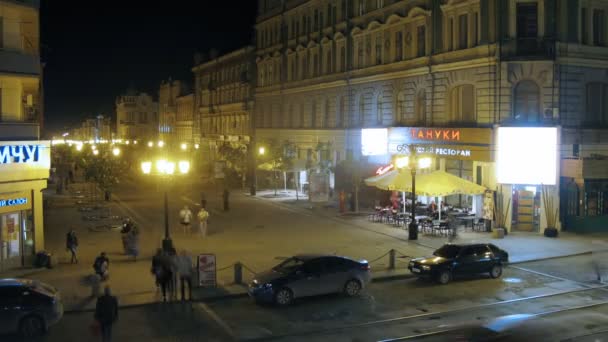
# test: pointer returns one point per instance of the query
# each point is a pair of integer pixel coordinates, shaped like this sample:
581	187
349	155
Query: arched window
526	106
360	119
462	103
421	107
401	109
597	103
379	109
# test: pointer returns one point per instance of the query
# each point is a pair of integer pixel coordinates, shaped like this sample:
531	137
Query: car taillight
365	267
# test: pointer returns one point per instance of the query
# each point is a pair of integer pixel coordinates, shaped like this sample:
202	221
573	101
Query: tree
104	169
278	157
235	156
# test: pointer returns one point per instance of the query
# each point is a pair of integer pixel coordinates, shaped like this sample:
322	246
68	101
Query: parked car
28	307
310	275
459	259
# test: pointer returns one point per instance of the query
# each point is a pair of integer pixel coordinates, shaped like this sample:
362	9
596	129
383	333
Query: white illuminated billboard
527	155
374	141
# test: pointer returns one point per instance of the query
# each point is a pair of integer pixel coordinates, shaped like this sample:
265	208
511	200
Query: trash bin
43	259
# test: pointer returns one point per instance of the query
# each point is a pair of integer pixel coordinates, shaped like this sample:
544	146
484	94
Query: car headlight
426	268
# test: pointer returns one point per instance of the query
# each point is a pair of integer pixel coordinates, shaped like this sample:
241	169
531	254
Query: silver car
310	275
28	307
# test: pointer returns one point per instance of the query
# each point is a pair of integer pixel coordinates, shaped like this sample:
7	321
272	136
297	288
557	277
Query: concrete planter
551	232
498	233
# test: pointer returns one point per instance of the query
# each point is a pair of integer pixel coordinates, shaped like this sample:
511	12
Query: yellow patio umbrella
393	181
440	183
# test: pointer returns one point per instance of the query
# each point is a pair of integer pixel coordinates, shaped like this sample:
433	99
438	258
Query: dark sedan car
453	259
310	275
28	306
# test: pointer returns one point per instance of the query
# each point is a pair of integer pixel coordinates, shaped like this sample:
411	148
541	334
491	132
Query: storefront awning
436	183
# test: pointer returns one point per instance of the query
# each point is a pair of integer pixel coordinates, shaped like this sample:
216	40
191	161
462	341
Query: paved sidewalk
522	247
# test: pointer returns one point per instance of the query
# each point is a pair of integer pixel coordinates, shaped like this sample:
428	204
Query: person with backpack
106	313
71	244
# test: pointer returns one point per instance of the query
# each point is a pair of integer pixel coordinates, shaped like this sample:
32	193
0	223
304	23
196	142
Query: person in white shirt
185	217
203	216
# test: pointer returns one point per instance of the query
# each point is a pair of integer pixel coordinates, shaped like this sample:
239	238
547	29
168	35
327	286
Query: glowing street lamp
95	152
184	146
413	163
161	143
79	147
184	167
116	151
150	144
196	146
262	150
146	167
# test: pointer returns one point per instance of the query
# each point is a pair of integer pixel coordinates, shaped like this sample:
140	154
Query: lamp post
413	162
165	169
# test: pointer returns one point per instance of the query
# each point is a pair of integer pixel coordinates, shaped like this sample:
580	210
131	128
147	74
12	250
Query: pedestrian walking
71	244
185	216
203	200
185	274
106	313
174	265
133	243
203	217
157	267
101	266
226	200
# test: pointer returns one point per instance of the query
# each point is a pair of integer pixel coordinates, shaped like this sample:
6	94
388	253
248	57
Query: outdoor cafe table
467	219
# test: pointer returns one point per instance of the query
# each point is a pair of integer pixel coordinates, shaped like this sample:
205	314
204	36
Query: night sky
95	50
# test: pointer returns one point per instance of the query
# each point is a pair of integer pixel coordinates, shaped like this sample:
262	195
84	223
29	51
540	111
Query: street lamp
262	150
165	169
413	162
184	146
161	143
116	151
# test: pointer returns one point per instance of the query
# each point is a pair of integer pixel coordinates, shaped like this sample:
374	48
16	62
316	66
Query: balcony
19	131
19	63
528	48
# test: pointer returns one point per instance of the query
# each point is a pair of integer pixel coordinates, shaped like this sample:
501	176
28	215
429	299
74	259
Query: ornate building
136	117
176	108
327	68
224	99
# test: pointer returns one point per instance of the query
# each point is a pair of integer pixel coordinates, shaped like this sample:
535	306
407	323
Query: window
527	102
475	32
463	31
313	114
584	27
421	41
527	20
450	35
342	118
379	49
462	103
398	46
421	107
344	9
315	66
379	110
324	119
361	117
401	110
597	103
328	62
343	58
316	25
599	29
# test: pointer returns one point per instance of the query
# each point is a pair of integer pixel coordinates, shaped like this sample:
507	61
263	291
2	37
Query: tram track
544	303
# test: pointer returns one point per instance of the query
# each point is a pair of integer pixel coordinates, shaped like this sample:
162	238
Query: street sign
207	275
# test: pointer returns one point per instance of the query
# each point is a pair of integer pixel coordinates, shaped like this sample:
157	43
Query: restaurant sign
450	143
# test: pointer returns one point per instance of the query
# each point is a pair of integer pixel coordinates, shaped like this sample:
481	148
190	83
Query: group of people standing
167	268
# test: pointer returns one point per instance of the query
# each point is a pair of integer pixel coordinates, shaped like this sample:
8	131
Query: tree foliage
235	156
104	169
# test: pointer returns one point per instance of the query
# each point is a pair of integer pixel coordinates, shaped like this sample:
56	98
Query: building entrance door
526	201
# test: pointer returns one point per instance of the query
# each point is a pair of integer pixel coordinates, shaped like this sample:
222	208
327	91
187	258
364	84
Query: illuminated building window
597	103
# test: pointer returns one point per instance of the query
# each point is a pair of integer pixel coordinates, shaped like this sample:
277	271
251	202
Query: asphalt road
386	310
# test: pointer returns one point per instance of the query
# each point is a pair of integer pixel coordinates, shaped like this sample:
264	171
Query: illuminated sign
384	169
16	154
440	134
13	202
520	162
374	141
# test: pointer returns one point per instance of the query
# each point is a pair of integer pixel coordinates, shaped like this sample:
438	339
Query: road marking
218	320
554	277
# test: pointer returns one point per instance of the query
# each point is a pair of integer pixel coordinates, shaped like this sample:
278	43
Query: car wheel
444	277
496	271
352	288
283	297
31	326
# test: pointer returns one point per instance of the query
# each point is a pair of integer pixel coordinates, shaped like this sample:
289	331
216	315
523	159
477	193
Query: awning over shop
436	183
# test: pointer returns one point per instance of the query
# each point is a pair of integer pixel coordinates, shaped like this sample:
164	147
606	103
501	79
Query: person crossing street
203	217
185	217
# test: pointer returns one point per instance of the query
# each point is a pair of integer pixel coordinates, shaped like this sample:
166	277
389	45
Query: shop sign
19	154
207	273
14	202
384	169
450	143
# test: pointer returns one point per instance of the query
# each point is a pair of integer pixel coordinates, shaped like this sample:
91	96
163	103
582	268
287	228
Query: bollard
391	259
238	273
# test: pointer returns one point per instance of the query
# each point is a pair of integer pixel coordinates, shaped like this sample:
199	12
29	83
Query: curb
551	258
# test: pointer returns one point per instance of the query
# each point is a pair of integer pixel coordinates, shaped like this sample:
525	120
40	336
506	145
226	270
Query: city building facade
223	100
136	117
176	108
93	130
326	69
24	159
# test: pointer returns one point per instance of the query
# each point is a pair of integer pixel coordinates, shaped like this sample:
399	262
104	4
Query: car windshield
447	251
288	265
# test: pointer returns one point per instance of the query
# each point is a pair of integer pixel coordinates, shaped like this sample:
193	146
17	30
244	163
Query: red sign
384	169
436	134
